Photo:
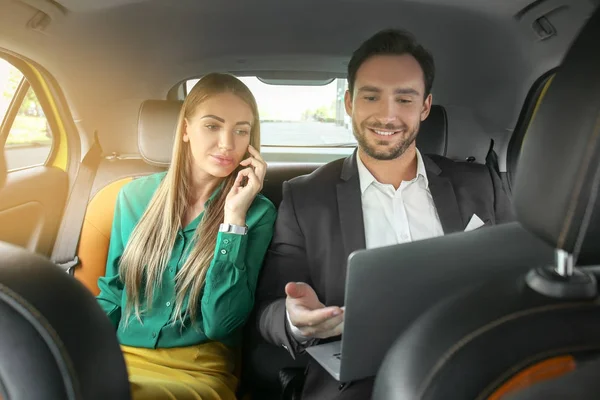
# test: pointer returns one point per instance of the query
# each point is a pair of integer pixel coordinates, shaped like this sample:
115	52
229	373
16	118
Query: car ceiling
110	55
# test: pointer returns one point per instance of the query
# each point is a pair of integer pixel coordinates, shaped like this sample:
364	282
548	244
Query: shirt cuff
295	331
231	248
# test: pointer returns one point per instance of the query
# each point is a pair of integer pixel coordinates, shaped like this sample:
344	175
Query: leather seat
56	340
533	323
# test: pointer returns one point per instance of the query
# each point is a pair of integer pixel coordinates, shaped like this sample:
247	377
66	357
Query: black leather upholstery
581	384
277	173
57	343
433	132
469	345
559	169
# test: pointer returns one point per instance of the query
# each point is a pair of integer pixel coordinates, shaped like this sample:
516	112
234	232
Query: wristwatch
230	228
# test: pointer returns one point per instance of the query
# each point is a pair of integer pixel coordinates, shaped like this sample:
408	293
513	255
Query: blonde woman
186	249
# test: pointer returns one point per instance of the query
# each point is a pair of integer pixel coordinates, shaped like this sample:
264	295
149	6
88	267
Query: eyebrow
223	121
405	91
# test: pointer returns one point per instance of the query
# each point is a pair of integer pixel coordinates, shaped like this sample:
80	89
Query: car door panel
31	206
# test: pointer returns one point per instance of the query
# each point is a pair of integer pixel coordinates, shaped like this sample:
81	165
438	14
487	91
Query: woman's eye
241	132
211	127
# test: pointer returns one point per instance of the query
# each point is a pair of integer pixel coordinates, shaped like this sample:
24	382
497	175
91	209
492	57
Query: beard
392	151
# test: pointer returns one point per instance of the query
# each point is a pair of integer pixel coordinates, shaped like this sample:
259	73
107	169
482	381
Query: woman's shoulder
140	190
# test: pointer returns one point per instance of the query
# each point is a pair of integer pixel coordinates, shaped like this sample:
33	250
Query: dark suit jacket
320	222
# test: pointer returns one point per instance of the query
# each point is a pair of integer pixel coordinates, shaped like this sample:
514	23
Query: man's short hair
392	42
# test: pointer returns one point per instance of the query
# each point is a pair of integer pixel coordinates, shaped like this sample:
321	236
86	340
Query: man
385	193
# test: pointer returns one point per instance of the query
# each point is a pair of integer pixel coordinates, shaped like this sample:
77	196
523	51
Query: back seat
156	126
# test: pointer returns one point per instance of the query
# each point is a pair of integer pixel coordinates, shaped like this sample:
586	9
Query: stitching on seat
591	149
56	343
531	361
98	230
493	324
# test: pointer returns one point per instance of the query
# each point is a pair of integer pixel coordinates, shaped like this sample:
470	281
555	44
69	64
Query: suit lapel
350	208
444	198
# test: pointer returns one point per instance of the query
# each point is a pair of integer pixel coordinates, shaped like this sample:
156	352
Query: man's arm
286	261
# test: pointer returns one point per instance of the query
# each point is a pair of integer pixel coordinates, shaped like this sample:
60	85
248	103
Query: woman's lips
222	160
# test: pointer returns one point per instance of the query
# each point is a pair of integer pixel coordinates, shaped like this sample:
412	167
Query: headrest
2	169
433	133
157	122
559	170
44	354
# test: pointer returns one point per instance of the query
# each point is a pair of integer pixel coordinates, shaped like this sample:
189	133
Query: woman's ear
185	131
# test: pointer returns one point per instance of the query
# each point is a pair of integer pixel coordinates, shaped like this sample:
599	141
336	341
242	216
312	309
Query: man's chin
384	152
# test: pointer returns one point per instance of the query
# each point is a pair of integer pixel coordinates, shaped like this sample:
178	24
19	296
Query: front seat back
57	343
538	322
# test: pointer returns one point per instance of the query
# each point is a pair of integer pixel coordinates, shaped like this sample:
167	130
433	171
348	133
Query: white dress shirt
397	216
394	216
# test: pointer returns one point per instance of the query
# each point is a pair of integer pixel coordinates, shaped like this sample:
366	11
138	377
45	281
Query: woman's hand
240	197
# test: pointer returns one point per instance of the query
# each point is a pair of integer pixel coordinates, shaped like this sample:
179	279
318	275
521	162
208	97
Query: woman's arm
232	277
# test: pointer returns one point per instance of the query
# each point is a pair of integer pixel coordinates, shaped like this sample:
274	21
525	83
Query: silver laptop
387	288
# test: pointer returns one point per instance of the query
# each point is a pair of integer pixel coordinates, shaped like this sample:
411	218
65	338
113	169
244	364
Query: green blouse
228	295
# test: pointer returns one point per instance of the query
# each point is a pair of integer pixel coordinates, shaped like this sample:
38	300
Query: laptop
388	288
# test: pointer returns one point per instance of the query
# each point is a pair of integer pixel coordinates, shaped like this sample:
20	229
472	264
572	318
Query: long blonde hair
148	251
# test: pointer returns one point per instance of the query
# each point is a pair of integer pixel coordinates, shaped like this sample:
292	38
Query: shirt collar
366	178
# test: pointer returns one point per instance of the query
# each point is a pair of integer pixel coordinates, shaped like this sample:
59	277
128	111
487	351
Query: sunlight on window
30	126
10	77
29	139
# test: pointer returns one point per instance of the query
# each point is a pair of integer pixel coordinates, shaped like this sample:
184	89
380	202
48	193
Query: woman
186	249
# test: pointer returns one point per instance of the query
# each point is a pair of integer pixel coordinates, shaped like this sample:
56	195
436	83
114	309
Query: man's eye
370	98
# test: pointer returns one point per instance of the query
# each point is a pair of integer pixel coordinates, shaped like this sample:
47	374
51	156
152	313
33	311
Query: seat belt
64	253
491	161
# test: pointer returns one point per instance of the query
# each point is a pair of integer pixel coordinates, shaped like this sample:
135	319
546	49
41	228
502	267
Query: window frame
28	81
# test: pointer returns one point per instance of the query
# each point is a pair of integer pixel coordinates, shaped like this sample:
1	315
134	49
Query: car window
300	115
27	136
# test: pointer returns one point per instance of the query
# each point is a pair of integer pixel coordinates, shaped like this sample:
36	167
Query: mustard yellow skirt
201	372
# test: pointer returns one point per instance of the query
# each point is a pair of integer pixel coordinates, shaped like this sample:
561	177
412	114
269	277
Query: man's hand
309	315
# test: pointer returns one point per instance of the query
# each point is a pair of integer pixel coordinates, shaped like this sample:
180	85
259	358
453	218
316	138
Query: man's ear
426	107
348	102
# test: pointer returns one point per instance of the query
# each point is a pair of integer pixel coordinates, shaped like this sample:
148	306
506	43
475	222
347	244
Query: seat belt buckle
69	266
